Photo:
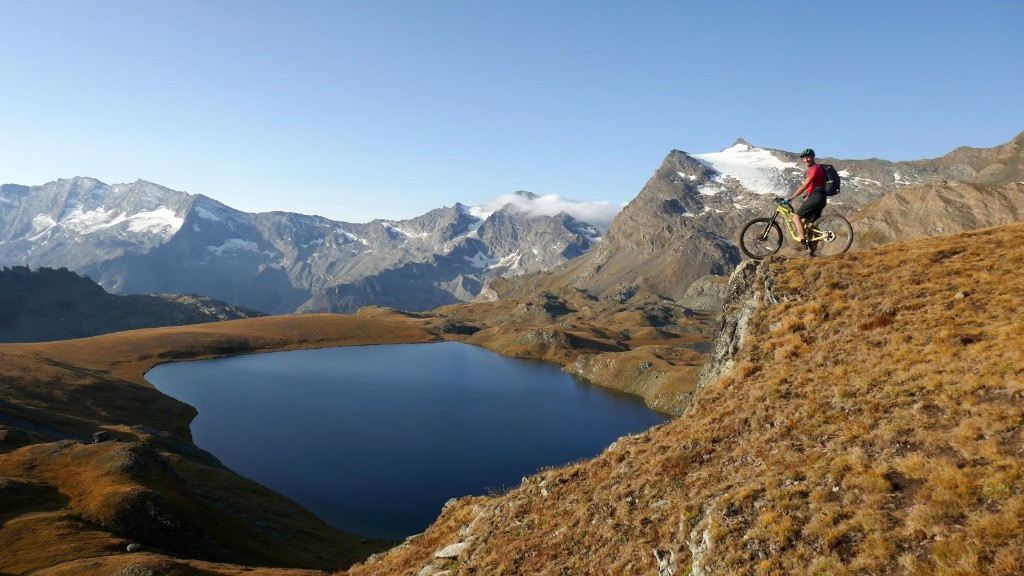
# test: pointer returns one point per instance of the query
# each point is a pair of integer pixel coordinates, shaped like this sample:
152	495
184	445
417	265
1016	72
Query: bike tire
760	238
839	234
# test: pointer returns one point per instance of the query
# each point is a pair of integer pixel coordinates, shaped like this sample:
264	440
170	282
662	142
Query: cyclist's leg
809	211
798	226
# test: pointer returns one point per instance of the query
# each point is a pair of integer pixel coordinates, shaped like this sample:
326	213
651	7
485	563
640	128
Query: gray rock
452	550
666	562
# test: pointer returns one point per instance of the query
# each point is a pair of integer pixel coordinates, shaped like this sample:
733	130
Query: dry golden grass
874	425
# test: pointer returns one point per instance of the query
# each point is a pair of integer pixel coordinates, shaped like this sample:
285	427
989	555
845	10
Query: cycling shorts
811	208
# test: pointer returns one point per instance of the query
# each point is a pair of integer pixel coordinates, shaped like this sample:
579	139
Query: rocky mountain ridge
47	304
143	238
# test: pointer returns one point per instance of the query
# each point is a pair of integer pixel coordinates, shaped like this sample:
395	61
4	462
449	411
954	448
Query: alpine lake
375	439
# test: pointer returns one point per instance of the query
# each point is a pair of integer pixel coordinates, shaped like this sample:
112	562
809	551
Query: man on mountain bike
813	190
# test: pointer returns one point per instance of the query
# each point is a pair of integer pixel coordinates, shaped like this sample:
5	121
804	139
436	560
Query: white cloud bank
599	214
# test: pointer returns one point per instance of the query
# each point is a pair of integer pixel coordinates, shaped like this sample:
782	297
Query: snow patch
391	228
510	262
710	189
859	180
755	169
691	215
42	222
234	245
899	179
481	260
41	225
85	222
205	214
162	221
351	237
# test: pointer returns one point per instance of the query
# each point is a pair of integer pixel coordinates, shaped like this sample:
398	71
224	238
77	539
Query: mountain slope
47	304
937	209
871	423
144	238
996	165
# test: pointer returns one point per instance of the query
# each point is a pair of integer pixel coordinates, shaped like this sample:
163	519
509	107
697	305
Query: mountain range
144	238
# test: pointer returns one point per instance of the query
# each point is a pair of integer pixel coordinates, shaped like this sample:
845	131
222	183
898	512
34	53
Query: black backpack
832	180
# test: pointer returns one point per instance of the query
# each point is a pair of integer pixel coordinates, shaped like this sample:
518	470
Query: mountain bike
828	236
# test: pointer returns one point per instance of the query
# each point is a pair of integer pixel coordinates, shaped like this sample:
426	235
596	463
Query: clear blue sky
362	109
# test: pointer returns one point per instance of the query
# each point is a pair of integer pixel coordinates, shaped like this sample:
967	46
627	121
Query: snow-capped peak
756	169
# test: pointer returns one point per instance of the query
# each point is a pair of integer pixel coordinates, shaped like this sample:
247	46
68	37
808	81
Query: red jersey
817	175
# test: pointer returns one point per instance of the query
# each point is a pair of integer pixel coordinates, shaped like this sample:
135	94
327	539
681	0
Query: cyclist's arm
805	186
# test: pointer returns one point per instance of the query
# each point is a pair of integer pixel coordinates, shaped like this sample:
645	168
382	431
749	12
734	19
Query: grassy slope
72	507
873	424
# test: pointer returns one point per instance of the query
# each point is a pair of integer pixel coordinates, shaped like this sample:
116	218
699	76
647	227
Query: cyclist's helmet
807	152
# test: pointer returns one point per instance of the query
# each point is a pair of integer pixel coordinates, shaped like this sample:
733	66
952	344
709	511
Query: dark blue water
375	439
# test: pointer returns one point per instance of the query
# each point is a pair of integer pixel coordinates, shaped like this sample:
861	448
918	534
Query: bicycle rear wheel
838	235
760	238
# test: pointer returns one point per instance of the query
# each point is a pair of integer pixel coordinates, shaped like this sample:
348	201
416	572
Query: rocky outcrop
750	288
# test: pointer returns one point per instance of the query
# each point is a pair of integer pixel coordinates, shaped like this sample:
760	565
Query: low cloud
599	214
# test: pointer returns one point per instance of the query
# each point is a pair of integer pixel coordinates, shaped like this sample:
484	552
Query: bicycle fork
768	226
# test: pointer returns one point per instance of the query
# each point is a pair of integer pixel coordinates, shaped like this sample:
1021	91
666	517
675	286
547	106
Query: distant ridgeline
56	304
143	238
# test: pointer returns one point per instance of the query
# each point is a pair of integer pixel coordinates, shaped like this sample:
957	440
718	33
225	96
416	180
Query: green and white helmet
807	152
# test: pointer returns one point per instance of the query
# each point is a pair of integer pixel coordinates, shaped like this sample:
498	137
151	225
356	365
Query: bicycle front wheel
838	235
760	238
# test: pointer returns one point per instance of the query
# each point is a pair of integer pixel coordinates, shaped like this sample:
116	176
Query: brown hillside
998	165
937	209
873	424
